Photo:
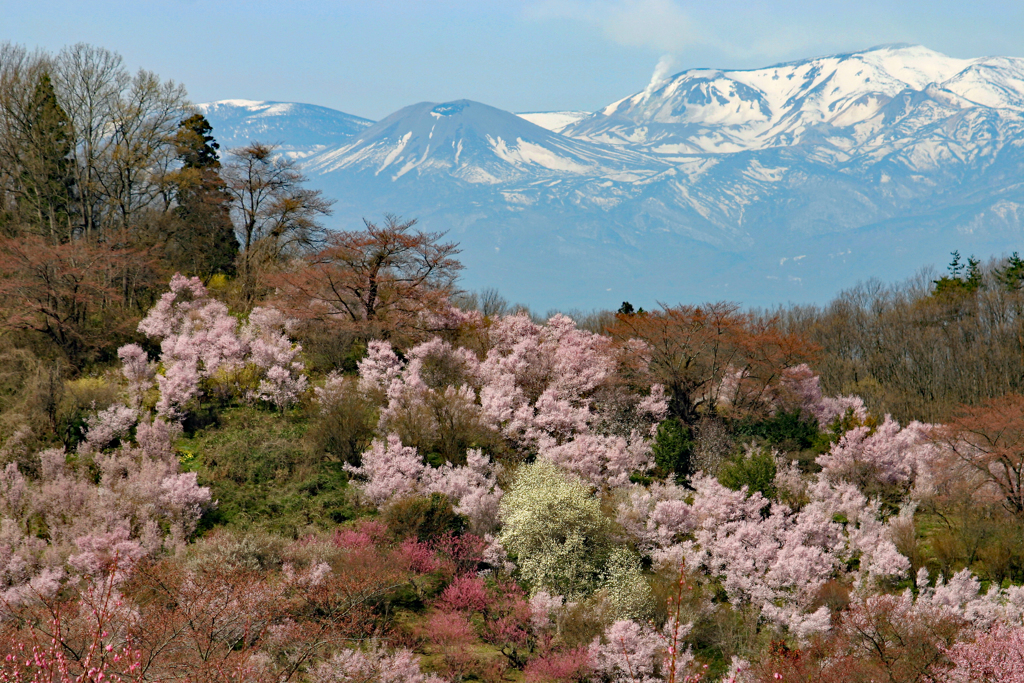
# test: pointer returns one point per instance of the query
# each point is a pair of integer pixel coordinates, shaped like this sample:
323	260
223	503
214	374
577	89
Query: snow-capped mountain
843	99
474	143
762	186
300	129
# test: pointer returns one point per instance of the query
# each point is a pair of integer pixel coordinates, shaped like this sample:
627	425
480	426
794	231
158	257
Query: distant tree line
920	349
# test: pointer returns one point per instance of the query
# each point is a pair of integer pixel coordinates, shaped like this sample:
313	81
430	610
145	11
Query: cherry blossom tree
882	458
545	389
993	656
200	341
390	471
691	349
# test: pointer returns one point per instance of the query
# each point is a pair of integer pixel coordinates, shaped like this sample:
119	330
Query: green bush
790	431
755	470
425	517
673	449
264	474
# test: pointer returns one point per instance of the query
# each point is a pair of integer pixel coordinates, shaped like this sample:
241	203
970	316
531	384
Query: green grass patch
265	474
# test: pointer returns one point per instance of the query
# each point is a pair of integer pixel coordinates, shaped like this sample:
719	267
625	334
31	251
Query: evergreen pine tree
47	173
202	241
1011	275
673	449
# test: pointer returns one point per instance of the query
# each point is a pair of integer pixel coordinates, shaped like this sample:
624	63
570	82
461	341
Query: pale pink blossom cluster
629	652
798	389
538	380
378	665
545	388
270	350
433	388
332	391
887	455
602	459
962	596
138	370
140	504
380	368
993	655
107	425
764	553
801	388
200	338
391	471
450	317
543	606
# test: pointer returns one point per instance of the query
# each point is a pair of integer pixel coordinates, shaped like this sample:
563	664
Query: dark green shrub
425	517
264	474
673	449
756	471
790	431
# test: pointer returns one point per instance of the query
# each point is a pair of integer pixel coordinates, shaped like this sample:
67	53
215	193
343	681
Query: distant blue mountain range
774	185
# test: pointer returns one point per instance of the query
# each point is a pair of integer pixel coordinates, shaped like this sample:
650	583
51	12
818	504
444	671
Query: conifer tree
202	241
47	174
1011	275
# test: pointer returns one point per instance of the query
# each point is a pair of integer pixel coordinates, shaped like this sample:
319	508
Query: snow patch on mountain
299	129
553	120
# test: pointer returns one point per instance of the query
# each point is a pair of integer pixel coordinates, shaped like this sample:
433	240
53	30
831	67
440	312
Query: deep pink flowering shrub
51	655
466	594
559	667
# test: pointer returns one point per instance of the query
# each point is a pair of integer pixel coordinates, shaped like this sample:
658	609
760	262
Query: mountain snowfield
300	129
763	186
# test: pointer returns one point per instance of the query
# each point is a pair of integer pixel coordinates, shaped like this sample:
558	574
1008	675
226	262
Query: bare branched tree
275	216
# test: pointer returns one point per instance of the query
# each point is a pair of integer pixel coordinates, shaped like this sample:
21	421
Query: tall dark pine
47	171
203	240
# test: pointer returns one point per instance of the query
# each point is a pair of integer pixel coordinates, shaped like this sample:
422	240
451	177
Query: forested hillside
235	446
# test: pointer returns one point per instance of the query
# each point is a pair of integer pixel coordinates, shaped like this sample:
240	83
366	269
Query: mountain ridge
709	184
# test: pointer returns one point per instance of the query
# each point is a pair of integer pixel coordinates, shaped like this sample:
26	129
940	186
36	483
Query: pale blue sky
372	57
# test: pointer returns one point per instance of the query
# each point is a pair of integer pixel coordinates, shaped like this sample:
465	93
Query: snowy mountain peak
472	141
300	129
786	182
843	97
553	120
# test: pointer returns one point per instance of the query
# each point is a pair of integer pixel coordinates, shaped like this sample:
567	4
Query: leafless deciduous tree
275	216
382	278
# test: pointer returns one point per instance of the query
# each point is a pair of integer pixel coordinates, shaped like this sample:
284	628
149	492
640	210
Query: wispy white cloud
738	31
661	25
